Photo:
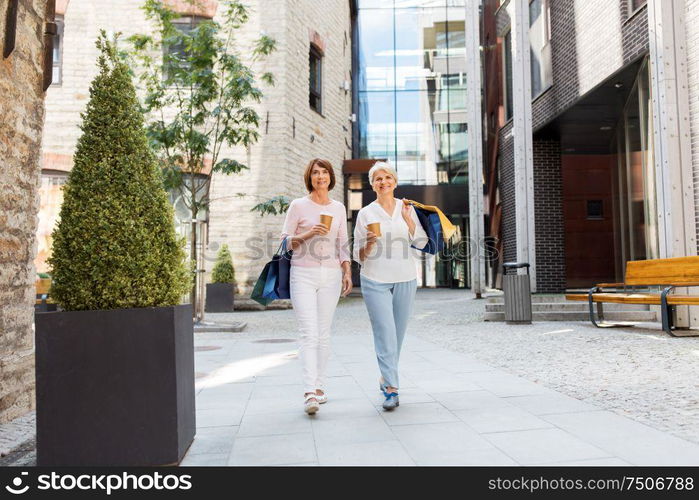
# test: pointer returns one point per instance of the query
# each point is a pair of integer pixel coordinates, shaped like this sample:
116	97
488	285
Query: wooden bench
667	274
42	292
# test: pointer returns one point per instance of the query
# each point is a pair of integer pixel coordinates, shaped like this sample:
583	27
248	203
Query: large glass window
315	92
57	77
634	5
636	200
412	88
507	74
540	47
175	53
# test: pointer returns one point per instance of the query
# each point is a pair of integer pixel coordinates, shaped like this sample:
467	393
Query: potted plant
221	291
115	367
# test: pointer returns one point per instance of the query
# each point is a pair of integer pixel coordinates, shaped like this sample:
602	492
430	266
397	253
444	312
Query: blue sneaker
391	402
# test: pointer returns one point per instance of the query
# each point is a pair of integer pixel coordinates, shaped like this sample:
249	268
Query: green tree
223	271
115	245
198	95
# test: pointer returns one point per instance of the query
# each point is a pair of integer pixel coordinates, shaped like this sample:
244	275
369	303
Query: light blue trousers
389	306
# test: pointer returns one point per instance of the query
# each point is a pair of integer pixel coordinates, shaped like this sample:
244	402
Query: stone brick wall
548	218
692	26
82	21
21	108
590	41
506	171
291	132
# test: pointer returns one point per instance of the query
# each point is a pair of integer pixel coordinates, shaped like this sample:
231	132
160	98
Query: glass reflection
412	89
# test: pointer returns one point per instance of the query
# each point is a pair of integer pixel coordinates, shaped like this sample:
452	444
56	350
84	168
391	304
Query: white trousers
315	292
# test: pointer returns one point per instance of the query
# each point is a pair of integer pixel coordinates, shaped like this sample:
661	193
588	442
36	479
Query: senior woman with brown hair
383	235
316	230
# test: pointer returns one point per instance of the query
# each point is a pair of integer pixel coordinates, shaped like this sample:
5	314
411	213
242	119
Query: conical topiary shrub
223	271
115	245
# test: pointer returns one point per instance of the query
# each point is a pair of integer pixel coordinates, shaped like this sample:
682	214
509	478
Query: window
507	74
539	39
175	51
315	95
58	53
595	210
634	5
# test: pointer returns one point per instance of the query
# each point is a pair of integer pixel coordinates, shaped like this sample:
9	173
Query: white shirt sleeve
359	236
291	222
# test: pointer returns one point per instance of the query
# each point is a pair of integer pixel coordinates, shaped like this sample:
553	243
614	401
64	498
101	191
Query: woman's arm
293	240
342	241
364	240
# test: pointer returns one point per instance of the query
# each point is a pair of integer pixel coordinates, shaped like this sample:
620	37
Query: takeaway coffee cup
375	227
326	220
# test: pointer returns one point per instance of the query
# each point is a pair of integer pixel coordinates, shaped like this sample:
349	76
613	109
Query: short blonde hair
382	165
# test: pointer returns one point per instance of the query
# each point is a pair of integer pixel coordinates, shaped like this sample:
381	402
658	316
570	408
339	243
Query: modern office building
409	87
591	118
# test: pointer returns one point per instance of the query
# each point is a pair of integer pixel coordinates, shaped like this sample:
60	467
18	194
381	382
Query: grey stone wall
21	108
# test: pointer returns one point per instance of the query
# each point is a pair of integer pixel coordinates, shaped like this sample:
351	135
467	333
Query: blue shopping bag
433	227
273	282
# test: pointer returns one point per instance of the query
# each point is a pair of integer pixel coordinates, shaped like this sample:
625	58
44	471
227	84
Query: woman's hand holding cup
370	239
317	230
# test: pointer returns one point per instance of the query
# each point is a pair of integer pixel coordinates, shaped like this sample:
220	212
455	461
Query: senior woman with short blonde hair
388	271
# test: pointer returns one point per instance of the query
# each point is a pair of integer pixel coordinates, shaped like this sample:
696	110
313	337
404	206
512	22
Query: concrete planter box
219	297
114	387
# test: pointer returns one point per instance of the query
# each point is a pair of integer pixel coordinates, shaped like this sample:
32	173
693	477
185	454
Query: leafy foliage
223	271
198	93
274	206
115	245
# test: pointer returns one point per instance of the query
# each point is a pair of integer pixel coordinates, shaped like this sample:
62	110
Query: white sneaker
322	398
311	404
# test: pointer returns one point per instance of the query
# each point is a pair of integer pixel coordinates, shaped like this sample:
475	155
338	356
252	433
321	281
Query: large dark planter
114	387
219	297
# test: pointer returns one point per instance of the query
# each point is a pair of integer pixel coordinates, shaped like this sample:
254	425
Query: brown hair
322	164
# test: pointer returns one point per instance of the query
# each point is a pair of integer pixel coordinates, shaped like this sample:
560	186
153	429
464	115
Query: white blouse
392	260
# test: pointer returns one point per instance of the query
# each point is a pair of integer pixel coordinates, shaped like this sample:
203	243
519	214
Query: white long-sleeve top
392	260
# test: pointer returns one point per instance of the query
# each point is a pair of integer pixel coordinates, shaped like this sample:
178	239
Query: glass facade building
410	104
411	88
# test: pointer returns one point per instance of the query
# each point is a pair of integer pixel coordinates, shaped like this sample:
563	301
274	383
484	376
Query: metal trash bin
518	295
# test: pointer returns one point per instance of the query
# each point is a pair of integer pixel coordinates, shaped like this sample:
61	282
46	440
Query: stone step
570	306
637	316
536	297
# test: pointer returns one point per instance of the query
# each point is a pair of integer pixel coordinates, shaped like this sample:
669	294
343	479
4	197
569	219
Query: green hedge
115	245
223	271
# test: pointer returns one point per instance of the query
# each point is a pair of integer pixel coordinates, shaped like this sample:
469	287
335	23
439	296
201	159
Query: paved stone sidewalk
454	410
